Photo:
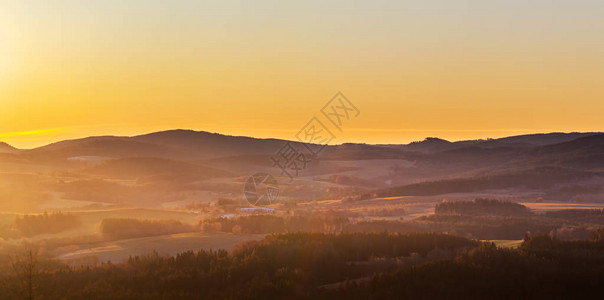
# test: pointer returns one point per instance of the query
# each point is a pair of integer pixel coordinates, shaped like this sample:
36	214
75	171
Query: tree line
336	266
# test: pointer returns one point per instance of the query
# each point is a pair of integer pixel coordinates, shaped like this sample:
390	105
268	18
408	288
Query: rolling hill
140	167
186	165
6	148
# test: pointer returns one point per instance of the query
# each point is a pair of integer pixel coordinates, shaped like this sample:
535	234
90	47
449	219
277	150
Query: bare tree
25	267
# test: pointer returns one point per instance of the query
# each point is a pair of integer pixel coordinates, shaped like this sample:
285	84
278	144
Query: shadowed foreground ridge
344	266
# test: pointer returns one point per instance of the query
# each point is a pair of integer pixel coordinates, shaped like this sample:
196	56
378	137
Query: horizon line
31	132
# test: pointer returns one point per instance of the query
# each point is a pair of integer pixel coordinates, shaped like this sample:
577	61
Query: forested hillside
327	266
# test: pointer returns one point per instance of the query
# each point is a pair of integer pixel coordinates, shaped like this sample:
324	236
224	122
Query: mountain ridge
5	147
184	144
183	134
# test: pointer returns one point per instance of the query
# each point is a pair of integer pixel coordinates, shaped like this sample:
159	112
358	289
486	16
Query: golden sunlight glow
414	70
26	133
6	60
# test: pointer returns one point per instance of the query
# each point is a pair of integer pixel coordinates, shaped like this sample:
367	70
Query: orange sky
453	69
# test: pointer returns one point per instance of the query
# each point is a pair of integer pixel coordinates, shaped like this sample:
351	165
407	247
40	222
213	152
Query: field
506	243
553	206
388	209
117	251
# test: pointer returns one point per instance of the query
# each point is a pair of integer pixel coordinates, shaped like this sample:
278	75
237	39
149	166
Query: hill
138	167
185	166
541	178
6	148
540	139
172	144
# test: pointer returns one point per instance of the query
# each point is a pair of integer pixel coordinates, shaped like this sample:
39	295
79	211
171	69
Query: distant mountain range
238	153
179	164
189	144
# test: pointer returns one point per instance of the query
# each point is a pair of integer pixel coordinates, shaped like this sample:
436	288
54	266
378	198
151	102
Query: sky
450	69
